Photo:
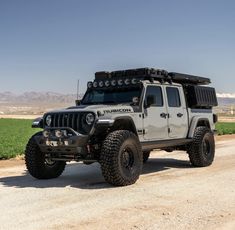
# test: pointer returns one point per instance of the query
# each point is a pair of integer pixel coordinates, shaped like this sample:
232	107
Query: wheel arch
124	123
196	122
105	126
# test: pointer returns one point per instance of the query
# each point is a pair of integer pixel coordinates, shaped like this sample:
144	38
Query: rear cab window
173	97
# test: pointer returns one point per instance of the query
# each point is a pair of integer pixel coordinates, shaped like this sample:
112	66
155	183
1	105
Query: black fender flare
198	121
122	122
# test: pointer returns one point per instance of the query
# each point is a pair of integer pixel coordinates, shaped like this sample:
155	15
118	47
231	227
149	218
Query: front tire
36	163
202	150
121	158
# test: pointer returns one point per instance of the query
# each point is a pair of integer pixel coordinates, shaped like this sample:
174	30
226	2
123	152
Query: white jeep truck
123	116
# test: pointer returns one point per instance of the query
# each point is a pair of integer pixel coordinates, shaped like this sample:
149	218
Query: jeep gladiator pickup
123	116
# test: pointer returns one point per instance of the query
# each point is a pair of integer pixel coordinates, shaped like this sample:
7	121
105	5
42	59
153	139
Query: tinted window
156	92
173	97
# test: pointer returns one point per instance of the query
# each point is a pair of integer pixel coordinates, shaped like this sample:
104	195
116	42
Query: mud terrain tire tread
196	155
110	157
35	162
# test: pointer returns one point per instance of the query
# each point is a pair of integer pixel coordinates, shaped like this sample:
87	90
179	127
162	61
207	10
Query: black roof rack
154	74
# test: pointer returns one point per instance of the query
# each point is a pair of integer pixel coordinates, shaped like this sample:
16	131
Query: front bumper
69	143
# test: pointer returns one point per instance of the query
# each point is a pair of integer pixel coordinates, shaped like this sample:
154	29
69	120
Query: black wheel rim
127	158
206	148
49	162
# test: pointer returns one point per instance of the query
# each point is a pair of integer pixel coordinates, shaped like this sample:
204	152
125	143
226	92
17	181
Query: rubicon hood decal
117	109
125	110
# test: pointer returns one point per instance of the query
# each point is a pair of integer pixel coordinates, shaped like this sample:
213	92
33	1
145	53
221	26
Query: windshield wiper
109	102
105	102
90	103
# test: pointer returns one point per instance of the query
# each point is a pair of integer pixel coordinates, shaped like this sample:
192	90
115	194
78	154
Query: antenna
77	102
77	89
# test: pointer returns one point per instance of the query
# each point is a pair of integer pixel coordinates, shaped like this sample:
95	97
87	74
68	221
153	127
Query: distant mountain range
224	99
39	97
226	95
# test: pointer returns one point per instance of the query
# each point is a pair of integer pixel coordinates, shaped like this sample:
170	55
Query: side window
173	97
156	92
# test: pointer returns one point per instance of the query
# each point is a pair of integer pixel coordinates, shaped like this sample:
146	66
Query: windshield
106	96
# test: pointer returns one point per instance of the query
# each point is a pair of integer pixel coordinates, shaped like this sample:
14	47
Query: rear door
177	112
155	116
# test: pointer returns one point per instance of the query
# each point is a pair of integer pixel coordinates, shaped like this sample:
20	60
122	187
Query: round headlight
127	81
90	118
107	83
133	81
113	82
48	120
95	84
58	133
46	133
89	84
101	84
120	82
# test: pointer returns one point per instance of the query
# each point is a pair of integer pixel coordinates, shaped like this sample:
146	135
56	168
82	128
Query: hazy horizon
219	94
49	45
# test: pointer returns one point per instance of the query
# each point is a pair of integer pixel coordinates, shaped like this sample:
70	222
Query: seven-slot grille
71	120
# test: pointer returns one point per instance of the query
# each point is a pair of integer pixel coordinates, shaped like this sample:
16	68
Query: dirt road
169	195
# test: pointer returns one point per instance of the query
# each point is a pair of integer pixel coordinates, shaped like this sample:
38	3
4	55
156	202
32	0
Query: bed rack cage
197	94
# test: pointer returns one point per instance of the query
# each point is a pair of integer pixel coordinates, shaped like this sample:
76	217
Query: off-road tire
202	149
121	158
146	156
36	164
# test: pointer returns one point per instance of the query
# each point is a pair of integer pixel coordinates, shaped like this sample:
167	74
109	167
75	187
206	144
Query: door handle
163	115
180	114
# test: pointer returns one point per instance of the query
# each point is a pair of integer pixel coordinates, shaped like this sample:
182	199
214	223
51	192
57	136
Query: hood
101	110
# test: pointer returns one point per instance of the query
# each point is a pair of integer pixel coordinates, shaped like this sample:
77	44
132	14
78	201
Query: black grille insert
76	121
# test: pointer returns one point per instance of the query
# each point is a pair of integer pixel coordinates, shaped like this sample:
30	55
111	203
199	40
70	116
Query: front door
155	115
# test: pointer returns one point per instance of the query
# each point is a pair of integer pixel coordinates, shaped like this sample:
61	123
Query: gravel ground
170	194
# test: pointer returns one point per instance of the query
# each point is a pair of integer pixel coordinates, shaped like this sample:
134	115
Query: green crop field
14	134
225	128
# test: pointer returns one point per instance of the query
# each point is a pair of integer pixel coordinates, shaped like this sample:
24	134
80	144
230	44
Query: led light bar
114	82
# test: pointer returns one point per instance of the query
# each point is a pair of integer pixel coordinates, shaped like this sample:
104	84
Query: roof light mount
152	74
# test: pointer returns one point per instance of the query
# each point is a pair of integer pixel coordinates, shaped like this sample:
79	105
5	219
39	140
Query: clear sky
46	45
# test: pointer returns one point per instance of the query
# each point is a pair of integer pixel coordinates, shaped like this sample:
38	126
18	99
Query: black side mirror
38	123
77	102
149	101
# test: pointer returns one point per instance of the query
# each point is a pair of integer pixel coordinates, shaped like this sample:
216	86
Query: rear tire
202	150
37	165
121	158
